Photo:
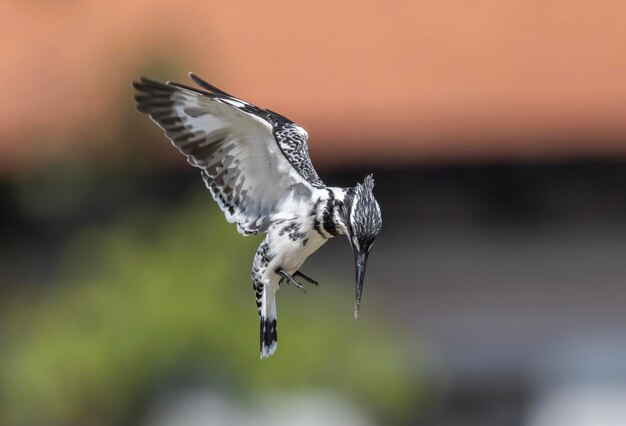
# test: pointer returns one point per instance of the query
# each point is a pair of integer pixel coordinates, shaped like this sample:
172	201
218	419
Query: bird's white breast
292	236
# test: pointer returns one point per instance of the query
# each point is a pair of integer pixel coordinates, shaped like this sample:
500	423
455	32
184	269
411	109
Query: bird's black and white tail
269	335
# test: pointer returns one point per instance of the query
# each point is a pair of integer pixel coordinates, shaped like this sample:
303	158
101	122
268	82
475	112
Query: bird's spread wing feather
250	158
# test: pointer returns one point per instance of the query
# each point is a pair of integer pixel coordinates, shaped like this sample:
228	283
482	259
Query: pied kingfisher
255	164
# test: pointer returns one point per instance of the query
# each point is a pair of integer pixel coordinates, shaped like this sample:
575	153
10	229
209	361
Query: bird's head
363	225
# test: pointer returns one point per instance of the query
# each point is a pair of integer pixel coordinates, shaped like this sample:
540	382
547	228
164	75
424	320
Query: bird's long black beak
360	259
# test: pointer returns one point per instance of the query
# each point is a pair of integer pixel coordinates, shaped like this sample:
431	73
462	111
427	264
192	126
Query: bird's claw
306	277
290	280
299	286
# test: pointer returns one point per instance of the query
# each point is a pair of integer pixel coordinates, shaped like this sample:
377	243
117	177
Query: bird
256	165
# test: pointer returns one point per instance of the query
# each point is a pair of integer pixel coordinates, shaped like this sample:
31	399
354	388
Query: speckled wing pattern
250	158
292	140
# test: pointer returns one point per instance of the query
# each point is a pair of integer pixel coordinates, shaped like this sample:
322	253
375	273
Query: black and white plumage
256	165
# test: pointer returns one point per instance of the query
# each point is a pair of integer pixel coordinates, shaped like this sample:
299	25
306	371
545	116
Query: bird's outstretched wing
251	158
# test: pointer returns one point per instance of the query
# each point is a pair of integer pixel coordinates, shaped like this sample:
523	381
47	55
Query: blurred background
495	295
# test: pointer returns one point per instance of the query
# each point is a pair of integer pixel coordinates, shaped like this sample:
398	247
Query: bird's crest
366	189
365	218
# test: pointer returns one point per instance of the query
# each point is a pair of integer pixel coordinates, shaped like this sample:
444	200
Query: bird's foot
290	280
309	279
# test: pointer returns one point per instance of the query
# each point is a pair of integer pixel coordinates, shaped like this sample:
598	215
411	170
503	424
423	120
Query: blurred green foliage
160	296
